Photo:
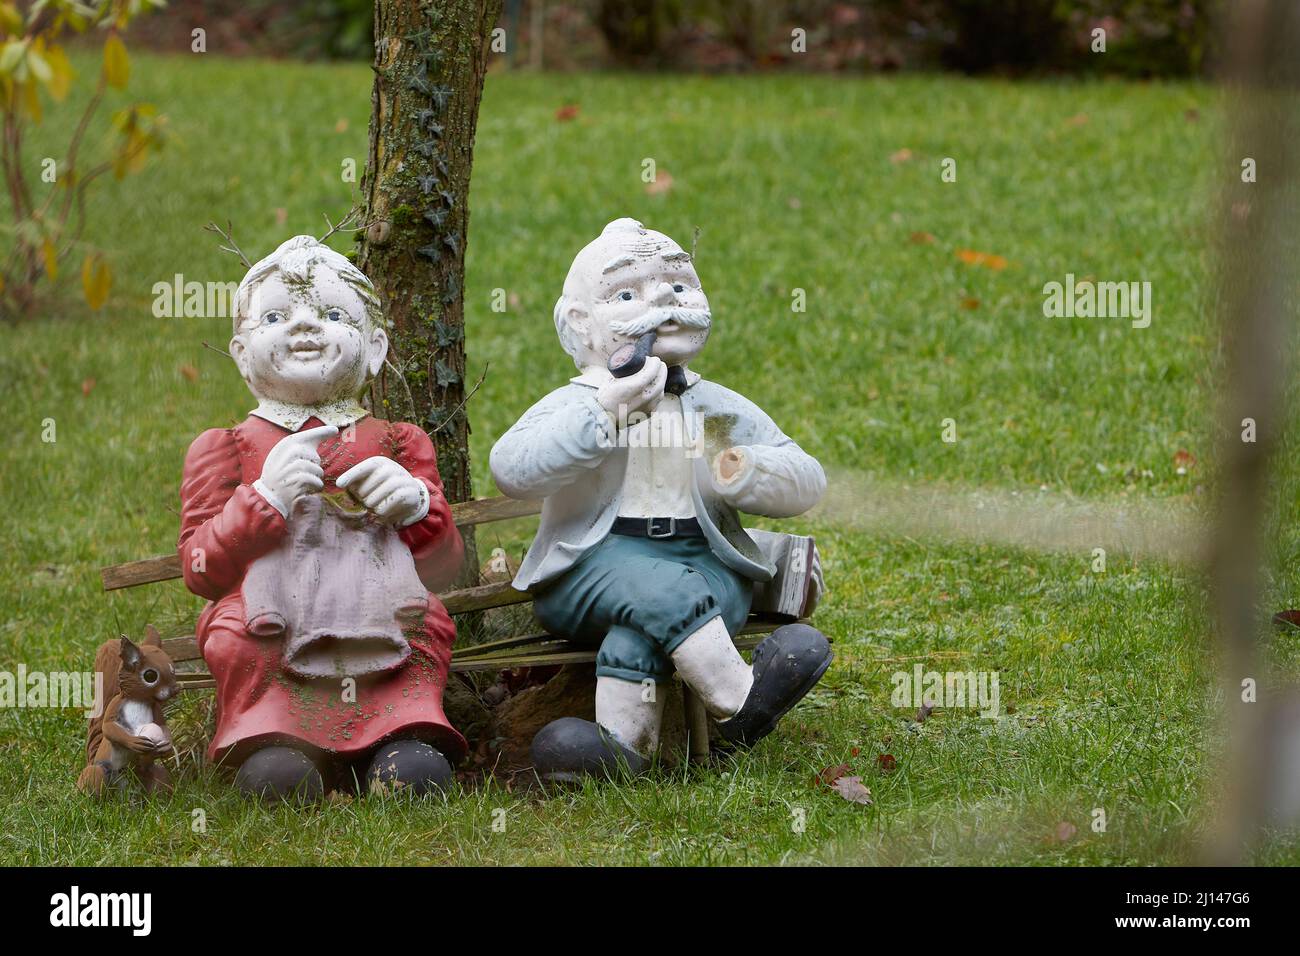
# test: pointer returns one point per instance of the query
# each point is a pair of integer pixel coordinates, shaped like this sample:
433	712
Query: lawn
827	185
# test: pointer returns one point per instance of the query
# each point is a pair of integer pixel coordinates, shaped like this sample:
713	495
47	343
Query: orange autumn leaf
901	156
986	259
661	184
567	112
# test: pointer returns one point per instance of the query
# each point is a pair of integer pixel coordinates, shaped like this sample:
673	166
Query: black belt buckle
650	525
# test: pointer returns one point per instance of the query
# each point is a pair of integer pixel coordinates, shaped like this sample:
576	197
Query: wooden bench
524	650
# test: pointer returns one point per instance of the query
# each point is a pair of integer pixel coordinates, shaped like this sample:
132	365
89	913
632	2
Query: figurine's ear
378	351
580	322
239	352
131	656
151	636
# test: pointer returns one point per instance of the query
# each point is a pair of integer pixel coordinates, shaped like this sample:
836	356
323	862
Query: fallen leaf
342	125
852	790
190	372
970	304
887	763
1078	119
87	385
662	182
567	112
829	775
1289	617
920	238
281	215
1065	831
987	259
901	156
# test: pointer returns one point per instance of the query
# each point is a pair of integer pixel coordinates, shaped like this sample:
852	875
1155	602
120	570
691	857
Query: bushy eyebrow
615	264
669	259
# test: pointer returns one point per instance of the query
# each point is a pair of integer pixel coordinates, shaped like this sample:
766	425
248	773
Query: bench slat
167	567
549	653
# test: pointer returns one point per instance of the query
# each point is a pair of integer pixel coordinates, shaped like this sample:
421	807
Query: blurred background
1153	38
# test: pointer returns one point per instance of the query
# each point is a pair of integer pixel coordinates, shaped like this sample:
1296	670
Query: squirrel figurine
130	733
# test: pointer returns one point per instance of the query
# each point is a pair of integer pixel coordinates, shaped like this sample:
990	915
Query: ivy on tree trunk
430	60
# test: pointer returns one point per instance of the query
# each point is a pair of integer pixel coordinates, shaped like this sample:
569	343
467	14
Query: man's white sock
714	669
631	712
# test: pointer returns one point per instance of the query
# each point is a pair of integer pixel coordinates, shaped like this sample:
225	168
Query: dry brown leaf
920	238
852	790
829	775
901	156
987	259
567	112
190	372
661	184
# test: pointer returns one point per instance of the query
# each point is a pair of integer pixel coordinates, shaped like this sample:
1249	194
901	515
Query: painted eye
679	288
150	676
334	315
270	318
626	295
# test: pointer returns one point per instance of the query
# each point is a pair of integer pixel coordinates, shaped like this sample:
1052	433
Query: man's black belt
658	527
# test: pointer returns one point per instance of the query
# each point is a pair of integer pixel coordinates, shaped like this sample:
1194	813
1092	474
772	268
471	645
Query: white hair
296	258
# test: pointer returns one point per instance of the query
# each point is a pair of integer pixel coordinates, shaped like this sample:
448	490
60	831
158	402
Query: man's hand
639	392
293	468
395	495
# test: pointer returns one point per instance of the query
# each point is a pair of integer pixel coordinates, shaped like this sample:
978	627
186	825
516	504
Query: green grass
1106	680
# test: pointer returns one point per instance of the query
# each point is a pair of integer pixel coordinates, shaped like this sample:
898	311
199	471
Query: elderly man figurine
317	531
640	548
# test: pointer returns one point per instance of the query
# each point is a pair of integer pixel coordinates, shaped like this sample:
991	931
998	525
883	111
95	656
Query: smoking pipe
630	358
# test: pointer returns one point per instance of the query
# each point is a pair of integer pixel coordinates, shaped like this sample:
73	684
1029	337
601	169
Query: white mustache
655	317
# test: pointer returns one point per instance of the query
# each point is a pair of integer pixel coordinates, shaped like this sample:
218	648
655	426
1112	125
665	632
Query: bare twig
343	224
233	249
217	350
446	421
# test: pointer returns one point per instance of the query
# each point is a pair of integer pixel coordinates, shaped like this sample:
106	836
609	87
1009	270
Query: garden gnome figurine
317	532
640	548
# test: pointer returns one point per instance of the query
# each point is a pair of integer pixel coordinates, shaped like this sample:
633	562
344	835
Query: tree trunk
430	59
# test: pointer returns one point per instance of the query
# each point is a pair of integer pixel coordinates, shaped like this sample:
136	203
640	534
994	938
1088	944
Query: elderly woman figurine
643	467
317	531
